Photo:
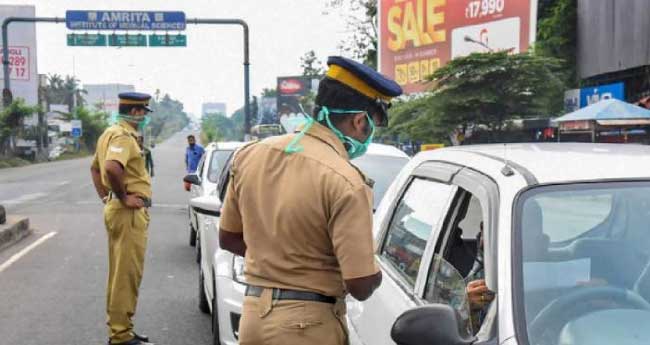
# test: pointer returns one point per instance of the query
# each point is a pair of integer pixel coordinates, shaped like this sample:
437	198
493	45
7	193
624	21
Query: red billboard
418	36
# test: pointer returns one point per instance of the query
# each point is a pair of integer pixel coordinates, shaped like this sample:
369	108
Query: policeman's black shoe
134	341
141	337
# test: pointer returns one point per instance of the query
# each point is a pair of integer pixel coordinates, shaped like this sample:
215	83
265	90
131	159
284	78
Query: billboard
22	53
416	37
579	98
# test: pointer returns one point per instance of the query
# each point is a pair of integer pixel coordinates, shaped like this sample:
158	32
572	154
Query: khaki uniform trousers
288	322
127	242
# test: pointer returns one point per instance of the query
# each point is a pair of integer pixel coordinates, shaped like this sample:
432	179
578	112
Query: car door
196	191
210	237
408	229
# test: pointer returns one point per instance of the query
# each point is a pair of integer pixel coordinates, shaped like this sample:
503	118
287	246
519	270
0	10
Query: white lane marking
26	250
61	184
23	198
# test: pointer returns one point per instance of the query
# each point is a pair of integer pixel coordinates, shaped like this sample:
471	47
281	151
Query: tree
489	89
557	36
266	92
11	122
66	90
311	65
168	117
361	17
93	123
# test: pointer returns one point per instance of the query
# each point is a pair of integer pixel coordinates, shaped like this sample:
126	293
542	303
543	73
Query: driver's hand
478	294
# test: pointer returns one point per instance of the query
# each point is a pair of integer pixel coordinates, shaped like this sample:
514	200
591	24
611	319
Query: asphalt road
55	293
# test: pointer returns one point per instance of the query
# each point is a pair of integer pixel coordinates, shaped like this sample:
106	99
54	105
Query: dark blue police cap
362	78
135	98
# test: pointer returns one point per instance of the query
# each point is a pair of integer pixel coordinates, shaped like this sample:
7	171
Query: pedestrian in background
146	153
124	186
193	154
301	214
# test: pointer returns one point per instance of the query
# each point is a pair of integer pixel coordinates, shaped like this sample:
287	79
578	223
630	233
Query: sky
210	68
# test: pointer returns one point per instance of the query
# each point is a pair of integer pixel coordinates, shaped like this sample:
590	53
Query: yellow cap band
339	73
132	102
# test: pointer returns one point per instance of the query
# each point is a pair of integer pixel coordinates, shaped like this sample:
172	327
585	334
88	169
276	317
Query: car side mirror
193	179
435	324
209	205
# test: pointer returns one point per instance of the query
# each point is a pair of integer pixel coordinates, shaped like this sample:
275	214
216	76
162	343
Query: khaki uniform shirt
306	217
119	143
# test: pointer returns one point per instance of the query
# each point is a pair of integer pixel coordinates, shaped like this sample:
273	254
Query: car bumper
230	297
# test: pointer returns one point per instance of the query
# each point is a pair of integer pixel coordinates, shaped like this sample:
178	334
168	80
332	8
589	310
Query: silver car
557	235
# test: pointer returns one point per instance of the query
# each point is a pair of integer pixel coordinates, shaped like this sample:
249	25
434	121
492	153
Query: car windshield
382	170
584	263
219	158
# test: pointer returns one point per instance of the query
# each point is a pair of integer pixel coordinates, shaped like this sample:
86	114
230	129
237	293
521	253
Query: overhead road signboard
86	40
125	20
167	40
127	40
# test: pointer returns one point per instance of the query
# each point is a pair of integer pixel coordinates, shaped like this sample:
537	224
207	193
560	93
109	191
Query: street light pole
469	39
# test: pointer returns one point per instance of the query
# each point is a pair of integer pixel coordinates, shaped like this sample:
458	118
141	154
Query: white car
565	240
381	163
204	182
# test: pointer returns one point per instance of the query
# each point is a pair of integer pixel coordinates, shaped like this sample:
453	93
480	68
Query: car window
584	261
459	254
217	161
222	186
417	214
199	167
569	216
382	170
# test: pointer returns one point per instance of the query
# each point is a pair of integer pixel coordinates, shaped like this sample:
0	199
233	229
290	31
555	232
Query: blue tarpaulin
608	109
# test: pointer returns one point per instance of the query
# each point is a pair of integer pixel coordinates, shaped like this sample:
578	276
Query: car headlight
238	269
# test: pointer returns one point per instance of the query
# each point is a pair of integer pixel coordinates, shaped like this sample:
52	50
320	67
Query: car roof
555	162
385	150
226	145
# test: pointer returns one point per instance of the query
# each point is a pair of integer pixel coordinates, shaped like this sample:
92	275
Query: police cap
135	98
364	80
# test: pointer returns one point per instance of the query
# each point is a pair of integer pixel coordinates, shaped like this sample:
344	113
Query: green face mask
142	121
354	147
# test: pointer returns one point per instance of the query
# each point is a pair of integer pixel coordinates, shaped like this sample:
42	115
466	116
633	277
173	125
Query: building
104	96
613	52
214	108
22	53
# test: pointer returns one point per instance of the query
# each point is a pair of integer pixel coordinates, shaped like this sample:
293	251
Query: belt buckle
275	296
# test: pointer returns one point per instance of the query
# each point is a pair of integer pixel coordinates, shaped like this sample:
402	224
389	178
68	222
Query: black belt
147	201
282	294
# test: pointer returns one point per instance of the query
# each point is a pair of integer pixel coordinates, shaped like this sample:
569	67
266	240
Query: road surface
54	294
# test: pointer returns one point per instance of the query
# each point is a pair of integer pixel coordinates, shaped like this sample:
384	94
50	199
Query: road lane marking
26	250
23	198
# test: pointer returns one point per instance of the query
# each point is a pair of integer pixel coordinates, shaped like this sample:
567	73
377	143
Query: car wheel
216	338
198	250
203	300
192	237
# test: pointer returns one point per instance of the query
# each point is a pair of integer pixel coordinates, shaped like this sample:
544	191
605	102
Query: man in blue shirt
193	154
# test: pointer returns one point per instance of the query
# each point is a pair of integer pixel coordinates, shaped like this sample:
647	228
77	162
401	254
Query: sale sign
19	63
419	36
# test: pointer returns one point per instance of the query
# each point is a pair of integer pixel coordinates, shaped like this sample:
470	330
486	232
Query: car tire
198	250
216	337
203	300
192	236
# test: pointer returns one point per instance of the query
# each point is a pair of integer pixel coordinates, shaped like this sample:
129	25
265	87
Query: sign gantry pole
197	21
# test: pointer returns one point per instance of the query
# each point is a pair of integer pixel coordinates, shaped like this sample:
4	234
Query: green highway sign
167	40
86	40
138	40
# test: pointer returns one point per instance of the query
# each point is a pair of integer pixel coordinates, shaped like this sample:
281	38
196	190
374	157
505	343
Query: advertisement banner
594	94
22	53
291	91
419	36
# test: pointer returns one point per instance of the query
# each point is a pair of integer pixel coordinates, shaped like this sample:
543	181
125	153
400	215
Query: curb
15	230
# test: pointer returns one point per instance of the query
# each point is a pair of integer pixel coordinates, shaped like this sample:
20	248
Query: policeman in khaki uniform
122	182
301	214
